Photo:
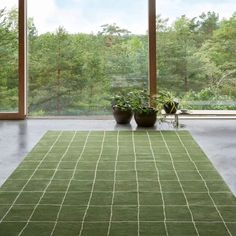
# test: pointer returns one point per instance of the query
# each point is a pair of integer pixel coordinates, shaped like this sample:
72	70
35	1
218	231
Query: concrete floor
216	137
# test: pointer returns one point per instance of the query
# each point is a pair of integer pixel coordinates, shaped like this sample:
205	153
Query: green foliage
73	74
165	97
8	99
209	99
8	60
141	101
121	101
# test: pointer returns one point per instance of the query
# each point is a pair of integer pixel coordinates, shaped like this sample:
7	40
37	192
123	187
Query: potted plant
168	102
121	109
144	114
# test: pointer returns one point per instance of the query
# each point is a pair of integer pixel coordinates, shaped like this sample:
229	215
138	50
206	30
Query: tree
50	68
221	51
113	33
208	23
179	60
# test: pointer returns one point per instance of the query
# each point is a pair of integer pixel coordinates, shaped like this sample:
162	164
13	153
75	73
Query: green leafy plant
141	101
167	100
121	101
165	96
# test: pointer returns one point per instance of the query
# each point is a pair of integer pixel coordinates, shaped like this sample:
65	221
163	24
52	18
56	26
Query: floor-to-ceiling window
9	56
82	52
196	43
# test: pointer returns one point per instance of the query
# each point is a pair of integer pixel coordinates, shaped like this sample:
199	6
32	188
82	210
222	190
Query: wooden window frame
152	47
21	114
22	64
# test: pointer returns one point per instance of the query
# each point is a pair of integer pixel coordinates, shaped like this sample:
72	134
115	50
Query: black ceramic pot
170	108
146	119
121	116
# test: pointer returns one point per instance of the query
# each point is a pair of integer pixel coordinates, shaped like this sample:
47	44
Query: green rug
116	184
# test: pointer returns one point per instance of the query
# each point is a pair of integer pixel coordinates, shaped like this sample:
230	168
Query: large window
196	43
82	52
8	56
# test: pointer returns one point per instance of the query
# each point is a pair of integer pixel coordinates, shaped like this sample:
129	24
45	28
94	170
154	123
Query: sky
88	15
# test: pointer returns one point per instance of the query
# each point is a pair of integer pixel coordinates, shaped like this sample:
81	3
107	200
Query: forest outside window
196	52
82	52
78	56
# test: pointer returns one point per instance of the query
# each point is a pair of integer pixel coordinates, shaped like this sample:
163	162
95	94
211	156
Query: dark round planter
122	117
146	119
170	109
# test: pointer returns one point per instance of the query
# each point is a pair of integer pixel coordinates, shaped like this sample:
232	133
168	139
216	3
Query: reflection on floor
216	137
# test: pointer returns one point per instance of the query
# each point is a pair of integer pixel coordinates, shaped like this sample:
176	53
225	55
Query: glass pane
82	52
8	56
196	43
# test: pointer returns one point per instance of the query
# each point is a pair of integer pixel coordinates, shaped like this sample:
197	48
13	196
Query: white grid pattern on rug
143	165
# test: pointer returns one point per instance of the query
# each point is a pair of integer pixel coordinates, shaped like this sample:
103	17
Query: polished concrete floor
216	137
